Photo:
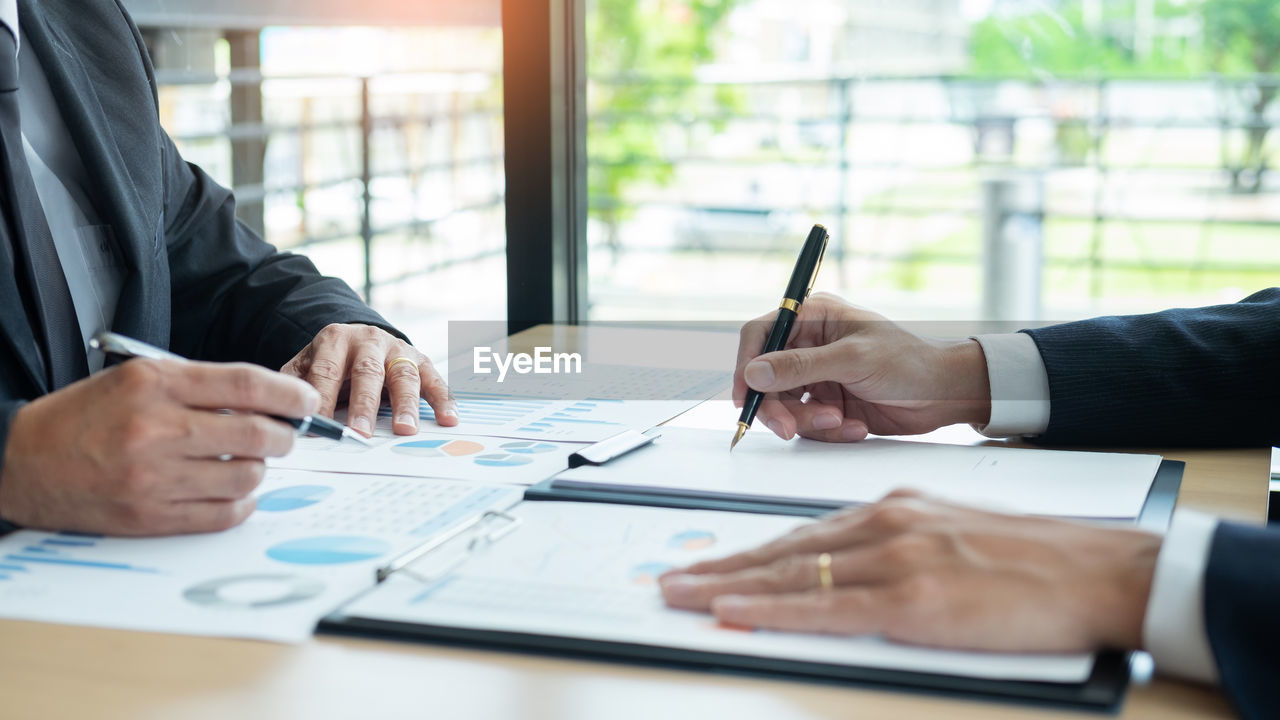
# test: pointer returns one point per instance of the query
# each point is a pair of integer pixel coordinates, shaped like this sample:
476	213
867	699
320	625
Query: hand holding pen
847	372
310	424
143	448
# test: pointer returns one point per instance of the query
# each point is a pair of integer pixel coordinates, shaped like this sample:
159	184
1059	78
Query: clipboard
1102	690
1156	513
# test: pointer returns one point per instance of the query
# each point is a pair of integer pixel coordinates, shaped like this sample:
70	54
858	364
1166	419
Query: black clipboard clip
612	448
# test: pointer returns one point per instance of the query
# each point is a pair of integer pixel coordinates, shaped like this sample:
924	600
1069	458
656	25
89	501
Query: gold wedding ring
391	365
825	581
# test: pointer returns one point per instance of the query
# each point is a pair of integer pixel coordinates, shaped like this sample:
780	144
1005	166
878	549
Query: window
369	140
1107	157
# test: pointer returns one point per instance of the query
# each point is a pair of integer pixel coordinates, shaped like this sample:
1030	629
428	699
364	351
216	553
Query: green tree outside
642	56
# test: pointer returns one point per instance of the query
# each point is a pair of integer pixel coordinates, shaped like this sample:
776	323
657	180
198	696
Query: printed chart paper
589	571
432	454
567	408
1037	482
314	542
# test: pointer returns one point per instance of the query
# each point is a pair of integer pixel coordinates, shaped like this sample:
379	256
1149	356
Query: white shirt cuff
1173	631
1019	385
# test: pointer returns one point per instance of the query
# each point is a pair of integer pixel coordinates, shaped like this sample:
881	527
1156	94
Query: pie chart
528	447
648	573
241	592
438	448
328	550
692	540
503	459
293	498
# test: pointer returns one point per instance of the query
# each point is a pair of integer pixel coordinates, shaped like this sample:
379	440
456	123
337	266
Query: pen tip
742	430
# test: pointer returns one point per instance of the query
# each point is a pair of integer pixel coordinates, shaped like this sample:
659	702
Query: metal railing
992	112
365	122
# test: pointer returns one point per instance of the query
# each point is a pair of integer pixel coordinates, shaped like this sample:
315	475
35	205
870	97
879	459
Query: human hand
925	572
848	371
136	449
365	360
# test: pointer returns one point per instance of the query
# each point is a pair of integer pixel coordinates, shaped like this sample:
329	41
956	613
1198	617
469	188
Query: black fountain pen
318	425
802	279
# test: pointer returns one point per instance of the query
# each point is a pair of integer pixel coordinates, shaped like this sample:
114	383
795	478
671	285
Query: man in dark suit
1202	599
104	226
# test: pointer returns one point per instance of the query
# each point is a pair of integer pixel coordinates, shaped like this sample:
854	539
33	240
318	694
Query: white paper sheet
588	571
433	454
1039	482
567	408
314	542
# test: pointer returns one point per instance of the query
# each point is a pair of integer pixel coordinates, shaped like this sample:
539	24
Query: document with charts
589	571
567	408
766	468
314	542
431	454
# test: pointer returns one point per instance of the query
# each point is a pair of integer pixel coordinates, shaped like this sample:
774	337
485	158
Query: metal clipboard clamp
493	525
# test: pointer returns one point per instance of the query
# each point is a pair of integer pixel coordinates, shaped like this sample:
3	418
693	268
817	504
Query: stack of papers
315	541
697	463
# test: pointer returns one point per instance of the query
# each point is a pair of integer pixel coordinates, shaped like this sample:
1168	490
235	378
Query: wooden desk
50	671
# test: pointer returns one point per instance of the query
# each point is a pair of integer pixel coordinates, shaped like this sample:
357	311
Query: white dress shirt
88	253
1173	631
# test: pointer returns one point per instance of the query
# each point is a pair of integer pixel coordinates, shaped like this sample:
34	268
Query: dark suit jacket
197	281
1208	376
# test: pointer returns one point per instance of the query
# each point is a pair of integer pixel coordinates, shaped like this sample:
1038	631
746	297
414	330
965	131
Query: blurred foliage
642	56
1236	39
1058	42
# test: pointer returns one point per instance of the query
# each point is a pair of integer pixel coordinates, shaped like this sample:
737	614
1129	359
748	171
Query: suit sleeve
1241	593
234	296
1202	377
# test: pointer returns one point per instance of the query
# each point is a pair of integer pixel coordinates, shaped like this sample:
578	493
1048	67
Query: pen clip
813	279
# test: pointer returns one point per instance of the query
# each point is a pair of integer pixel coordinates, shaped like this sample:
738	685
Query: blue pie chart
293	498
528	447
503	460
328	550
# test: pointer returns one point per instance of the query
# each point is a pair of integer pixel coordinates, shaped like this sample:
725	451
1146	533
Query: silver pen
318	425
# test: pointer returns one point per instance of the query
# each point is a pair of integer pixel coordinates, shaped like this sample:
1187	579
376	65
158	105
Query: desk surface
50	671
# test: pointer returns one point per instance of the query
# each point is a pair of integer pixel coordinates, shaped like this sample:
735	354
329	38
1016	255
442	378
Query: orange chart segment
438	448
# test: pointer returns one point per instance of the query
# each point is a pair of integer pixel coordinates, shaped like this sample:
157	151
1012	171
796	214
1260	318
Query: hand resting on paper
364	362
847	371
921	571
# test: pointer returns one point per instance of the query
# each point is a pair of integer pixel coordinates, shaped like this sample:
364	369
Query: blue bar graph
67	542
55	560
59	550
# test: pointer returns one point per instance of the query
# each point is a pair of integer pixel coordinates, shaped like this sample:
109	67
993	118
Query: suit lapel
115	192
13	321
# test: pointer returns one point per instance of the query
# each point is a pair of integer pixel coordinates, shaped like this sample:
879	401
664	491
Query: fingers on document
436	391
368	373
848	611
404	385
325	367
791	574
